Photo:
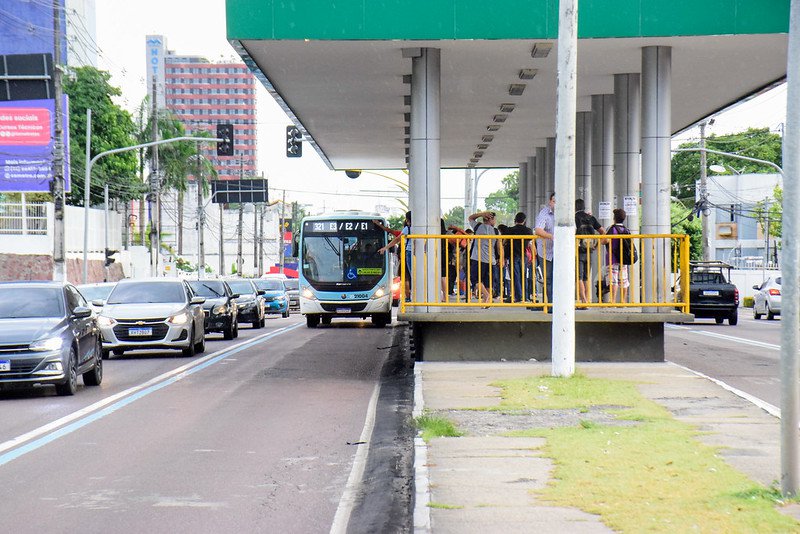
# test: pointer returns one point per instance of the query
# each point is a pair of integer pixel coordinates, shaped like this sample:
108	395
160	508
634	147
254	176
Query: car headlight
47	345
282	298
179	318
222	308
104	321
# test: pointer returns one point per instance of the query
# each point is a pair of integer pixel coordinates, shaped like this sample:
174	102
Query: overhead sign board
239	191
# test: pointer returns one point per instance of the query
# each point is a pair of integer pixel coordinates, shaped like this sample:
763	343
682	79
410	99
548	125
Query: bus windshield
347	257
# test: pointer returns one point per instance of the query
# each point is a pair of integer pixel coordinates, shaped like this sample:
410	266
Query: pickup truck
711	295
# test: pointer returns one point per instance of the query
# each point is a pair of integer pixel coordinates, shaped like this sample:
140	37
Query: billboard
27	131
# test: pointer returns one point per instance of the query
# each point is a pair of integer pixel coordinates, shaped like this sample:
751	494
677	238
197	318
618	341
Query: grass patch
442	506
432	426
655	476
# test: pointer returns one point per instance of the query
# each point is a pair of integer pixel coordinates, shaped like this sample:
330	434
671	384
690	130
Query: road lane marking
348	500
54	430
725	337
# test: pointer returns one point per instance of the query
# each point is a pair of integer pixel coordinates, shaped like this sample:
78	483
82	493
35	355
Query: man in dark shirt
517	257
584	221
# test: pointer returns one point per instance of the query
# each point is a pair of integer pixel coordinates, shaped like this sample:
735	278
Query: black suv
711	295
220	309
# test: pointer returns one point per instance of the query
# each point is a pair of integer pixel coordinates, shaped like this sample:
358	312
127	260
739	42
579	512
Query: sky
197	27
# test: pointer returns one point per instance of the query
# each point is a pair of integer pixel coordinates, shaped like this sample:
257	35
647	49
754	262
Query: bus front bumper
346	308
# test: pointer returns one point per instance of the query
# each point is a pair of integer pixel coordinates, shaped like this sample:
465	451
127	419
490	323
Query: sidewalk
482	482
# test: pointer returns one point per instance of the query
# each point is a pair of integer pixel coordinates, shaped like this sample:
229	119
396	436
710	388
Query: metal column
424	170
530	202
550	168
522	182
627	144
583	156
656	178
602	155
541	180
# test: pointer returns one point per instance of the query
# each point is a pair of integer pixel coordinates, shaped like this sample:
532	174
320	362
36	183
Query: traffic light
109	259
294	142
225	147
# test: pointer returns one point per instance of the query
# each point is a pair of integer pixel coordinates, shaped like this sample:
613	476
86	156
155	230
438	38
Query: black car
220	308
711	295
250	302
48	336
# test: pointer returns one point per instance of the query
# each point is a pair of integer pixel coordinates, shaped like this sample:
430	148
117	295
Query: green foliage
454	217
774	213
184	265
233	268
112	127
434	426
395	222
757	143
679	217
504	201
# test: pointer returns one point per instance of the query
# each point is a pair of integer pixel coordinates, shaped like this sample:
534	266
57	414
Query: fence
645	274
23	218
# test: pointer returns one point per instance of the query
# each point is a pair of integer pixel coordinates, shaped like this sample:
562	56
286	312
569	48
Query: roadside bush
747	302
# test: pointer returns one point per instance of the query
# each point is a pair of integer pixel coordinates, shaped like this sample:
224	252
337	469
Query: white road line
110	402
725	337
348	500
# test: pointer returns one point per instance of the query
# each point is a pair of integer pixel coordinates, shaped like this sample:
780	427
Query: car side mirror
81	312
197	300
99	303
756	287
235	295
261	292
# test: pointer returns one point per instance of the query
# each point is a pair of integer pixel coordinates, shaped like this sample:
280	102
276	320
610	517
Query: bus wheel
381	319
312	320
326	319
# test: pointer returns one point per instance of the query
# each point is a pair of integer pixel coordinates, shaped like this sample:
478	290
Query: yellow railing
651	279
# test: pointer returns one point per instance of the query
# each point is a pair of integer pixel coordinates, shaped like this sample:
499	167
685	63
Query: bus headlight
379	293
307	293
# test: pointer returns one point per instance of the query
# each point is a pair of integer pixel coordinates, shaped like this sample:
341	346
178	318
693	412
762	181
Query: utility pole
280	230
239	260
201	253
222	271
105	233
155	185
59	246
255	240
261	241
766	238
706	232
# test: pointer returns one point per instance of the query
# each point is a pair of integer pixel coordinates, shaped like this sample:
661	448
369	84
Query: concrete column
541	180
656	179
627	164
522	185
424	169
530	202
627	143
602	153
583	156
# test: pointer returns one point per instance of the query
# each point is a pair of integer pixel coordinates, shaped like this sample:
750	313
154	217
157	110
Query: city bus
341	272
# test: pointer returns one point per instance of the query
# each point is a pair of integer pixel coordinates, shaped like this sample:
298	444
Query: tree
112	127
454	217
504	201
684	222
757	143
774	213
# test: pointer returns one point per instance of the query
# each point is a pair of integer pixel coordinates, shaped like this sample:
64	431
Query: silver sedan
767	298
162	313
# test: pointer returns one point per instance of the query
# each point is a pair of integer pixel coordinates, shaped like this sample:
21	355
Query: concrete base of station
494	335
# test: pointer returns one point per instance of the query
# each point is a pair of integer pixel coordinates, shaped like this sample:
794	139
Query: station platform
601	334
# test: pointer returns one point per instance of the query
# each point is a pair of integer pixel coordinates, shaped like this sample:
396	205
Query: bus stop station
446	84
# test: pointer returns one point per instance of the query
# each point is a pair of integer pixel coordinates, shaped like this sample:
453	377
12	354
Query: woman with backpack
617	270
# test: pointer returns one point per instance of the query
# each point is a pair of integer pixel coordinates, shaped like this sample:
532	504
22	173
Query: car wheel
719	320
95	376
106	354
189	351
118	352
312	320
733	319
200	346
770	315
228	333
285	314
235	329
756	315
70	386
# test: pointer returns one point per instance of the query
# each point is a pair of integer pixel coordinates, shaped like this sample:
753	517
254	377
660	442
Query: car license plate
343	310
148	331
5	365
710	293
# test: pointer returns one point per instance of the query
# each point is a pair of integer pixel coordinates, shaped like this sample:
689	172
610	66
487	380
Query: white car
767	298
161	313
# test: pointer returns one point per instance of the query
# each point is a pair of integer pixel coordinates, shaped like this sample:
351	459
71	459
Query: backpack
585	228
628	255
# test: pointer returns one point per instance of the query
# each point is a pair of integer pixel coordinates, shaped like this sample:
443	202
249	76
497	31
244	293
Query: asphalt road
745	356
258	434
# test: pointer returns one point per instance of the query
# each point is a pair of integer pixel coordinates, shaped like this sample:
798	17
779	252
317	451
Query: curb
422	491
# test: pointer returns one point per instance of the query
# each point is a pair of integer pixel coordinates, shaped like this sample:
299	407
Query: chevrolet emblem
139	323
344	296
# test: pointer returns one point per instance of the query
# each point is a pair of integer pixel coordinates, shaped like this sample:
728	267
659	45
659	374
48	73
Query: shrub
747	302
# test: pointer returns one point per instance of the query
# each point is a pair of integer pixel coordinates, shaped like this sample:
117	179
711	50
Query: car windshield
269	285
291	284
91	293
208	289
147	293
21	302
243	287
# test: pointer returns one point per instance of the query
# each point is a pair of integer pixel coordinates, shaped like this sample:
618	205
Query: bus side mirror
294	247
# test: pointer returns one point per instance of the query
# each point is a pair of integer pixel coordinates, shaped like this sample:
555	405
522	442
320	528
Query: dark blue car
276	299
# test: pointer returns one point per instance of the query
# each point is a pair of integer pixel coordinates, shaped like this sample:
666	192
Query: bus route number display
339	226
